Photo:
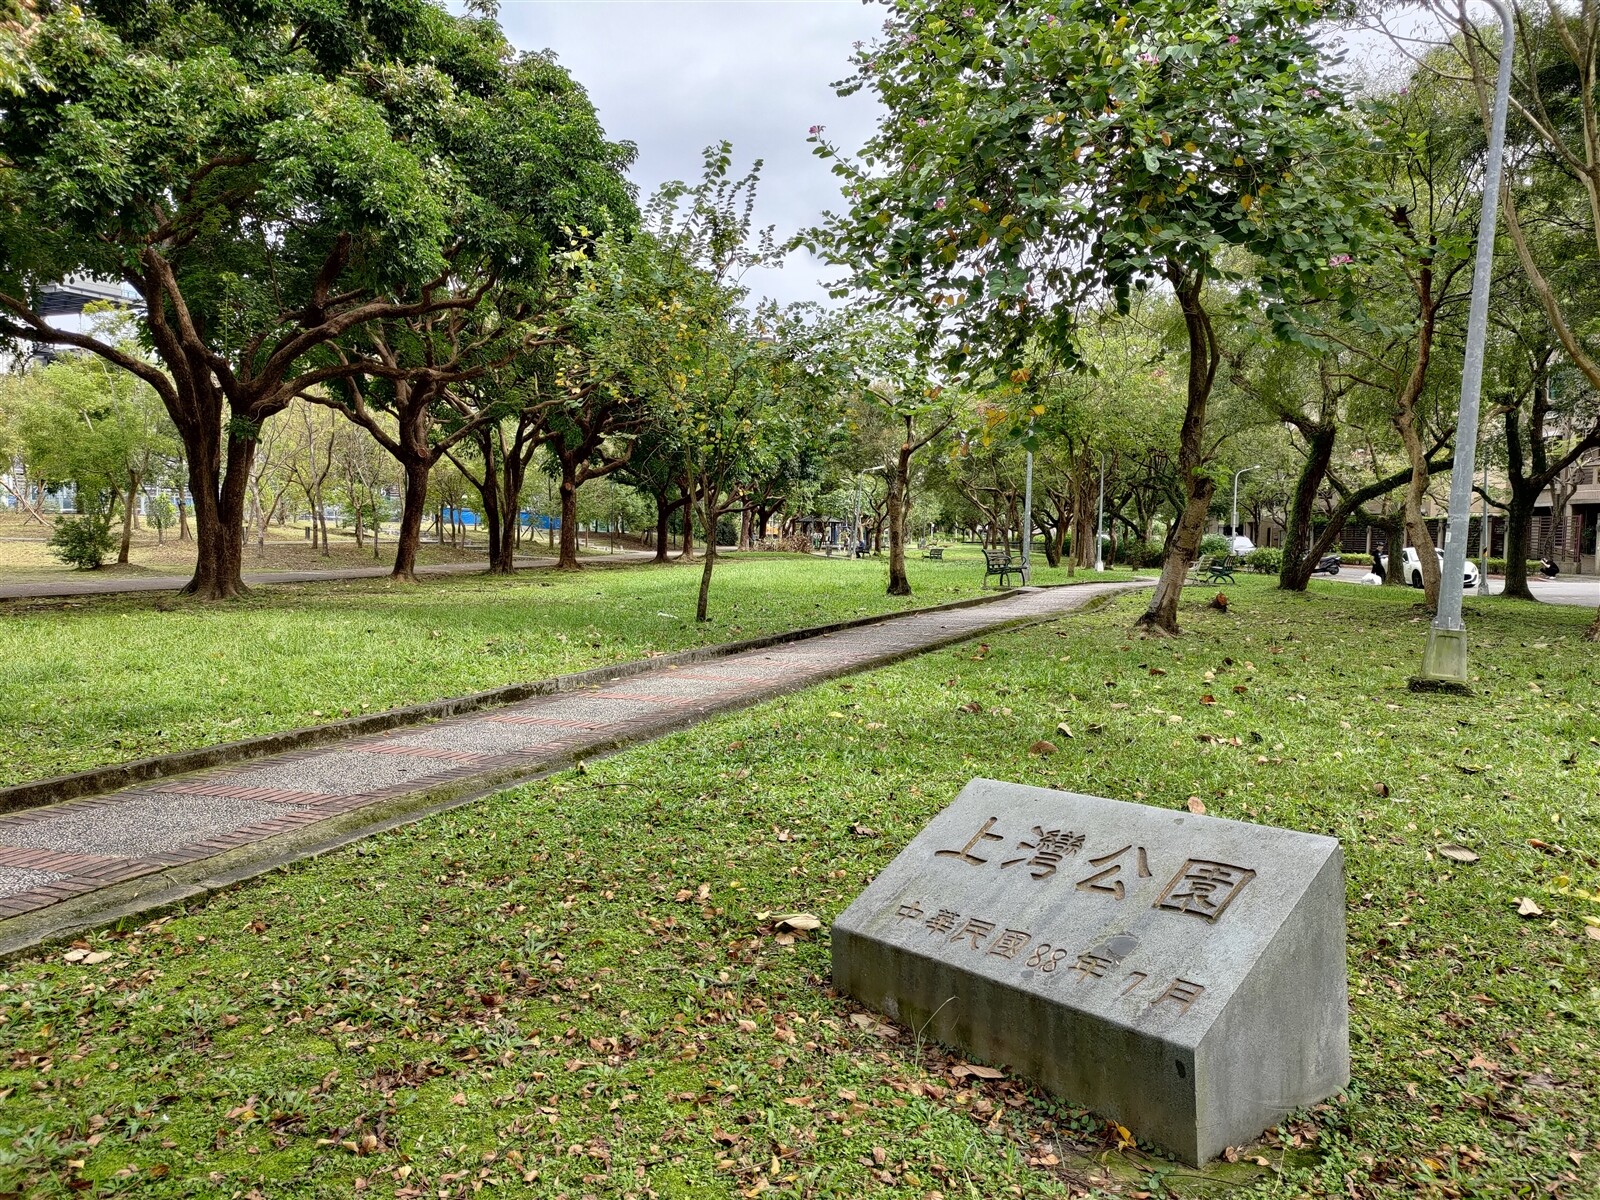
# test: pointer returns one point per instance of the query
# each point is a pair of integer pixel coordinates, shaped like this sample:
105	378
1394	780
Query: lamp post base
1444	663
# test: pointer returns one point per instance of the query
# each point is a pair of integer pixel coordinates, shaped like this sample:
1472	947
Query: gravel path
60	851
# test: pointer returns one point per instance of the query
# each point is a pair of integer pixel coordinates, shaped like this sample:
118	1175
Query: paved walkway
91	585
62	852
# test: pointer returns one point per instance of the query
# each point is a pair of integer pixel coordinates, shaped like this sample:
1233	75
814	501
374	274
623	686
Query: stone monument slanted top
1182	974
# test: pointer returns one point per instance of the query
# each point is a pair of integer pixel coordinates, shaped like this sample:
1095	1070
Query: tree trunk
687	554
899	481
183	515
1299	559
127	519
1162	615
1593	634
663	515
411	510
705	571
1519	522
219	520
568	560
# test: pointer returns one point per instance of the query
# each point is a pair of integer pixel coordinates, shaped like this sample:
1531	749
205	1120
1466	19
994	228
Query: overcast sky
674	76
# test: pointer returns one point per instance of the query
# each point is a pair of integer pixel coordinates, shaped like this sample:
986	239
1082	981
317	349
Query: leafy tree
1034	156
83	541
272	179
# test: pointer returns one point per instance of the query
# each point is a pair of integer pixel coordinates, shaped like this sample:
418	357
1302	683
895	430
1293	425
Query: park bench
935	553
1220	570
998	562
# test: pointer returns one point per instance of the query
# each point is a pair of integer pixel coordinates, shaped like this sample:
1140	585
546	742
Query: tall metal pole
1233	521
1100	520
1444	659
1027	521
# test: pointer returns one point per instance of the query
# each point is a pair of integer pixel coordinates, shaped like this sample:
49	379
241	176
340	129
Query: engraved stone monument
1184	975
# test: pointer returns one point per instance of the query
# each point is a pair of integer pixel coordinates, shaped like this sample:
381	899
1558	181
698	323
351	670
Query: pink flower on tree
1148	58
1340	260
939	203
1233	39
814	130
969	12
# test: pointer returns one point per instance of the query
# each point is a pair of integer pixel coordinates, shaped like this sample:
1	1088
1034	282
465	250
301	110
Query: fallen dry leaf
1043	748
964	1070
1458	854
1527	908
797	922
1197	806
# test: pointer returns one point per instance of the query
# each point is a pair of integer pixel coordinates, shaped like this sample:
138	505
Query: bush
1266	559
1356	560
1138	554
1214	544
83	542
161	513
1497	566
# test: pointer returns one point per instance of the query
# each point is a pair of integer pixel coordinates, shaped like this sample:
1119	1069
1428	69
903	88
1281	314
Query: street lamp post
1100	520
1027	520
1233	520
1444	659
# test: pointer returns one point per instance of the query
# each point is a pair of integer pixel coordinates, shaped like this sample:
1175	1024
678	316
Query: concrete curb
117	776
150	894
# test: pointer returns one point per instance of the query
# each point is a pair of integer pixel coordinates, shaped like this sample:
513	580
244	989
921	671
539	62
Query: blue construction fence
465	516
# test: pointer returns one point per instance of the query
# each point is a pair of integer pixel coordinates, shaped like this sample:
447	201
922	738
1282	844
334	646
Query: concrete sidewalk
70	865
89	586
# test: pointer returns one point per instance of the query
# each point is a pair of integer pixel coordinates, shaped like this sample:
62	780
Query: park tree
1034	156
272	179
82	421
893	385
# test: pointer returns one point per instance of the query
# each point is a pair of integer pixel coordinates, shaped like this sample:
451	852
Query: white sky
674	76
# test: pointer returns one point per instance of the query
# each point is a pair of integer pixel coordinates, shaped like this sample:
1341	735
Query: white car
1412	565
1242	545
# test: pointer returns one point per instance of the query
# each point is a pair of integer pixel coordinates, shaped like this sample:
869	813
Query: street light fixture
1100	520
1233	521
1444	659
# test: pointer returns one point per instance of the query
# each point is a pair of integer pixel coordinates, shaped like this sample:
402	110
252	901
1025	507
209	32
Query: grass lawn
576	989
89	682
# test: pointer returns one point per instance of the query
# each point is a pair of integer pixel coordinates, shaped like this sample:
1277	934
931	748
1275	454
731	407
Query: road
1579	591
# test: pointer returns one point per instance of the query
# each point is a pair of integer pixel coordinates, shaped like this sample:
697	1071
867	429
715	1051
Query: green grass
106	680
575	988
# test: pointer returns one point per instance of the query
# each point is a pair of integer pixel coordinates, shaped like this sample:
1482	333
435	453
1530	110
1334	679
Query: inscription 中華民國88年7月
1129	957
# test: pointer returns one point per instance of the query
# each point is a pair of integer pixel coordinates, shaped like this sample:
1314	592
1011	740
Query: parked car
1242	545
1412	565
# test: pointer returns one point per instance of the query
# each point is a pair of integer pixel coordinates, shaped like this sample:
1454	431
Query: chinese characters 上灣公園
1098	962
1201	888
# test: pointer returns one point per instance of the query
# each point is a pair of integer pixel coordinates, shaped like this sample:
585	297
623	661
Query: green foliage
161	512
1139	554
1215	544
83	542
1033	156
1265	559
1497	566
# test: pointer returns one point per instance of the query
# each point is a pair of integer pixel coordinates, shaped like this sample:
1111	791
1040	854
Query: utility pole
1027	518
1444	658
1100	520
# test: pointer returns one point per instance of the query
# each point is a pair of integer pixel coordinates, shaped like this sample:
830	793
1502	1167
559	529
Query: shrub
83	542
1356	560
1138	554
1266	559
1214	544
1497	566
161	513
